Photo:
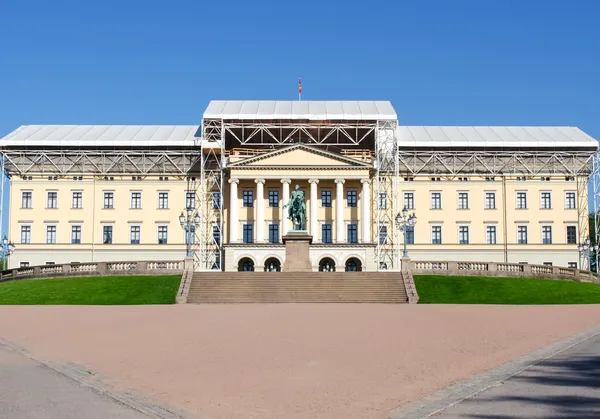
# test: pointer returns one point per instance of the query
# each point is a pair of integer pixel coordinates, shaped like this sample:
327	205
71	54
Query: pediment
299	155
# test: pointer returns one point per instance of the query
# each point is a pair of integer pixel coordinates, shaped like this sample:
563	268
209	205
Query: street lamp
404	222
189	222
8	248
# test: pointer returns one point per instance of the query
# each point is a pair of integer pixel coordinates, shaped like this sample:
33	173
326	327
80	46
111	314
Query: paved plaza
295	361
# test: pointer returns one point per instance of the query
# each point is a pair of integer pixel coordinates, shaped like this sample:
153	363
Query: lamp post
189	222
585	251
403	223
8	248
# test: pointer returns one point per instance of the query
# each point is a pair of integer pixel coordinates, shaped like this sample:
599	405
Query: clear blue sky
458	62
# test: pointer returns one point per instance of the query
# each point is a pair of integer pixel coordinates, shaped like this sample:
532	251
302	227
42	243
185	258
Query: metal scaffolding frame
595	178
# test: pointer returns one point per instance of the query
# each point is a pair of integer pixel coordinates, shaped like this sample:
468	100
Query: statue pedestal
297	246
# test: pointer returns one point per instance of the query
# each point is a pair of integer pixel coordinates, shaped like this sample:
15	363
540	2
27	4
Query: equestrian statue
297	209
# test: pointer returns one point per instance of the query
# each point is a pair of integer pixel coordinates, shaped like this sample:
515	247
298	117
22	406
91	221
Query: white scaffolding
595	235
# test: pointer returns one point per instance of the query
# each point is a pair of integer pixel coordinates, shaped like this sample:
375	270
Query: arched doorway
326	265
272	265
245	265
353	265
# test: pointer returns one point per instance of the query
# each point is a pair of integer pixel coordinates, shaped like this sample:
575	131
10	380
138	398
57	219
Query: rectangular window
108	200
216	199
50	234
436	200
326	198
107	235
463	234
410	235
547	263
570	200
163	234
190	200
134	234
490	235
547	234
273	198
24	265
572	265
521	200
522	234
163	200
436	234
352	233
545	200
490	200
326	233
52	199
383	234
463	200
26	200
409	200
25	234
382	204
248	198
351	198
248	233
75	234
136	200
273	233
77	200
216	234
571	235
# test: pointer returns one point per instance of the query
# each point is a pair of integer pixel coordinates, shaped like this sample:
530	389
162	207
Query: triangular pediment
299	155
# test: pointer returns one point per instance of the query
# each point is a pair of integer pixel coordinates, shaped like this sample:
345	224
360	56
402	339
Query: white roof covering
526	137
102	136
311	110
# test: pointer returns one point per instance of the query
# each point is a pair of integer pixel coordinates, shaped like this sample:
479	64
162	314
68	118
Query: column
285	196
313	208
366	213
339	211
233	210
260	210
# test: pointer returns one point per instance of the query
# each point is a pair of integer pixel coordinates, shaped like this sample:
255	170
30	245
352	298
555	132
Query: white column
339	211
366	211
313	207
260	210
233	210
285	197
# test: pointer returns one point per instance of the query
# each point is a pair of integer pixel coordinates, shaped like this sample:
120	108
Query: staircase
291	287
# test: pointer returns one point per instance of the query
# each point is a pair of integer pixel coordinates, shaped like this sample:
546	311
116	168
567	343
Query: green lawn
438	289
108	290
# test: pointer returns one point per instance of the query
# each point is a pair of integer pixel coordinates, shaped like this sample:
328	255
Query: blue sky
459	62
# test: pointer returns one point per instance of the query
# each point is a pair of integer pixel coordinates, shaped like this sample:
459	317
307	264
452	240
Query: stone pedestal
297	246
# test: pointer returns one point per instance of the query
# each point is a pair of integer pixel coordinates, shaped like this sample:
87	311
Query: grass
108	290
437	289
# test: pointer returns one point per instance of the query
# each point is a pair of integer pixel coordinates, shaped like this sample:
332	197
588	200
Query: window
409	200
570	200
352	233
463	200
77	200
108	200
50	234
136	200
383	234
571	235
75	234
521	200
26	200
547	263
572	265
23	264
547	234
326	198
216	199
248	233
190	200
163	200
463	234
216	234
52	199
410	235
273	233
248	198
490	235
436	234
163	233
351	198
107	235
274	198
382	204
545	200
436	200
25	234
490	200
522	234
326	233
134	234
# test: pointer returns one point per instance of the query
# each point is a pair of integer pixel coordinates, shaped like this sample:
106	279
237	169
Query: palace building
116	193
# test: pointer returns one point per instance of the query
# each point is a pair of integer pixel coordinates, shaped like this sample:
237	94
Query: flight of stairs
293	287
